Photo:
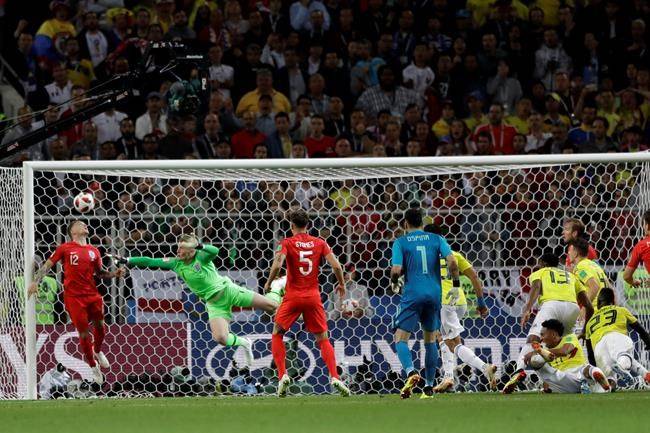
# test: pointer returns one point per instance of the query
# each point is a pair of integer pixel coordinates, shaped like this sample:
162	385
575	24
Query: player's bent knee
624	361
220	338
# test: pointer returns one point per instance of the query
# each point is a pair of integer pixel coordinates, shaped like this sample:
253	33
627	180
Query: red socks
327	353
87	348
279	354
98	337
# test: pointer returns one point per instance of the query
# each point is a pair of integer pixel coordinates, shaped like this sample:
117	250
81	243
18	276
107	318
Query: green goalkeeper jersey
200	274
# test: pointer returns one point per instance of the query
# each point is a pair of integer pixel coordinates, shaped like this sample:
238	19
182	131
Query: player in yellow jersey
559	296
561	363
589	274
608	343
454	308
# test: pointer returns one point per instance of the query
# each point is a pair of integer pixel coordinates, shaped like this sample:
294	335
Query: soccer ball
536	362
84	202
348	307
277	289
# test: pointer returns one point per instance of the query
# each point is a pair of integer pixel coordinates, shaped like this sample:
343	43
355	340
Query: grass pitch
450	413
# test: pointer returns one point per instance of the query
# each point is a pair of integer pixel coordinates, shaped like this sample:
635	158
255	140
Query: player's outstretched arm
150	262
592	288
38	276
583	301
628	277
276	266
477	285
532	299
338	272
643	334
590	352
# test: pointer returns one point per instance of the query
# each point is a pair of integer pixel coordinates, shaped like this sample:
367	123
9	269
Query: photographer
550	58
54	383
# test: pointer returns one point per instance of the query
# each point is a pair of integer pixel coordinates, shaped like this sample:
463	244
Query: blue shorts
409	314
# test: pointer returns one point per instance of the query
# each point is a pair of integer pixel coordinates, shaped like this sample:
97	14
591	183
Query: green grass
466	413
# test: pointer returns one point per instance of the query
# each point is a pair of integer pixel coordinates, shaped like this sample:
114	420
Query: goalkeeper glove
118	260
397	286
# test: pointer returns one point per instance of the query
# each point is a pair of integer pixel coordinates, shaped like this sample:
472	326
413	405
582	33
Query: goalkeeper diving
193	264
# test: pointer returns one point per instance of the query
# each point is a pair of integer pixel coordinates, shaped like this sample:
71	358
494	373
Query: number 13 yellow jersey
557	285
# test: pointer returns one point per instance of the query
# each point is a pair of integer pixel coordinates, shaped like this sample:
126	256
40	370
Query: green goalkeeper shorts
221	304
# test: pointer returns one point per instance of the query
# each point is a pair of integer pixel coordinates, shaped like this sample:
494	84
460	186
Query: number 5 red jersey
304	255
80	263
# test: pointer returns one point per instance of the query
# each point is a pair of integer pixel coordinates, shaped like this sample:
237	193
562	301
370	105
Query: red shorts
311	309
84	309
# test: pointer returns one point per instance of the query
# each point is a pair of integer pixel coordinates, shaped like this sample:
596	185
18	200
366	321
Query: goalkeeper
193	264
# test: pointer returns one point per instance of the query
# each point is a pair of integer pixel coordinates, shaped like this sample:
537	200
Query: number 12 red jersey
80	263
304	254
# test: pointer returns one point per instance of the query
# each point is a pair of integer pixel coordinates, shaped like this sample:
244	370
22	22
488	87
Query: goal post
491	206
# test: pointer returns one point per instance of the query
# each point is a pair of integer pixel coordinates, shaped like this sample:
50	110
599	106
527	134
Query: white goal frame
376	167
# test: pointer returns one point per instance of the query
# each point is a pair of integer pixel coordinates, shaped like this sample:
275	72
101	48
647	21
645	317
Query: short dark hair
554	325
413	217
281	114
265	98
433	228
550	259
299	218
606	297
646	217
581	245
602	119
70	225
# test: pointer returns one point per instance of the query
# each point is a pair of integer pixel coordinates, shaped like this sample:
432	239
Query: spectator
260	151
317	143
60	90
503	89
50	34
88	145
600	142
520	119
336	123
154	120
279	143
221	76
250	100
301	119
559	140
475	107
365	73
418	75
128	144
583	133
441	127
210	138
386	96
411	118
222	150
343	148
549	59
337	77
319	100
391	140
150	147
175	145
244	141
108	125
265	122
536	138
300	13
501	134
94	43
292	81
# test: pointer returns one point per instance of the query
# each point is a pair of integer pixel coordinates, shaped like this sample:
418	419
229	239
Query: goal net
502	213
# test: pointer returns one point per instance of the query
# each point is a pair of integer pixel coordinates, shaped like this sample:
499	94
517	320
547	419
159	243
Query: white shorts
450	317
609	348
565	312
563	382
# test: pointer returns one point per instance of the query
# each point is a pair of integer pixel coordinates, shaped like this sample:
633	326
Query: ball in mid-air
348	307
84	202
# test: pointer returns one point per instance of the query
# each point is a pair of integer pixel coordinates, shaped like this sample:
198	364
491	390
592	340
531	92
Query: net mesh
12	331
159	343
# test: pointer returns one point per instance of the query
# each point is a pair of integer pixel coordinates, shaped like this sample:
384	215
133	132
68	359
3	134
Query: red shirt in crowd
323	145
501	137
243	142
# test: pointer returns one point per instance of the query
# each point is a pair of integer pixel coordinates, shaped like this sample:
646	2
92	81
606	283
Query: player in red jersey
640	254
572	229
303	254
81	264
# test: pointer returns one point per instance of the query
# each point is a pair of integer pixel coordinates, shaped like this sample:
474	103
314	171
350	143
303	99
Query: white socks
448	361
521	365
468	356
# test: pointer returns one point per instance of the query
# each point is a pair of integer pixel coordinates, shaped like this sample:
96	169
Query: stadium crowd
337	78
